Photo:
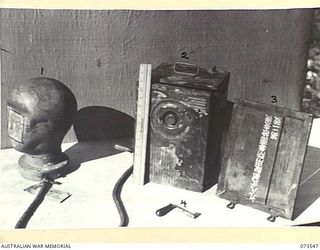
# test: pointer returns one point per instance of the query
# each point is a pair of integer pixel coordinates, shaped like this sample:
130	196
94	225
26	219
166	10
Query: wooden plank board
238	182
97	52
236	177
263	157
288	165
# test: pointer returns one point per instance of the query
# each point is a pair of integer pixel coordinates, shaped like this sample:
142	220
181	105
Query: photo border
168	235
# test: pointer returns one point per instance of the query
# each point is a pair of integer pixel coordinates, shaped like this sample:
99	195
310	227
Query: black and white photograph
159	118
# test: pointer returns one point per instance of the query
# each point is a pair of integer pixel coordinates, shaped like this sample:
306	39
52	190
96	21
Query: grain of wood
260	169
97	53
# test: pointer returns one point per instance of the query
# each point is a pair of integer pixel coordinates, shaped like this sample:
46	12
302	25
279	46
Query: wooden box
186	126
263	157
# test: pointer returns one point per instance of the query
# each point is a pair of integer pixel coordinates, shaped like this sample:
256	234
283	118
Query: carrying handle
186	69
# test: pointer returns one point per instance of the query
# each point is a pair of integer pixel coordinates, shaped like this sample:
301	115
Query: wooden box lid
189	75
263	157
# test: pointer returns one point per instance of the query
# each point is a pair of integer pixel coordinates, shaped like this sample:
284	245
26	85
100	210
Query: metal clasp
231	205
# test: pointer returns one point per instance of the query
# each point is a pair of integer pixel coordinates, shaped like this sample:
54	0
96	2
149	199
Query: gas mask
40	113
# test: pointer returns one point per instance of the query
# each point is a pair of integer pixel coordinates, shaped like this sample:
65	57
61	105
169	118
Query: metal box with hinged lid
187	119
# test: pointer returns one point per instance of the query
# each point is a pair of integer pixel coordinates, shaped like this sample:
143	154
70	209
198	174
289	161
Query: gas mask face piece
16	123
40	113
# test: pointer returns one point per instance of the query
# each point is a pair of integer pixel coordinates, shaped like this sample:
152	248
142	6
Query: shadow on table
98	129
97	123
308	190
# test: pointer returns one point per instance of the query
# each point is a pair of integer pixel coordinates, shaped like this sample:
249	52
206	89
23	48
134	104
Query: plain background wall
97	53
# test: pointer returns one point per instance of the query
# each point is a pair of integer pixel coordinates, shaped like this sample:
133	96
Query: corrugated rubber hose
116	195
45	187
47	184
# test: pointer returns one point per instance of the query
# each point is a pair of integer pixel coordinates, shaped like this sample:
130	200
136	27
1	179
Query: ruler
142	120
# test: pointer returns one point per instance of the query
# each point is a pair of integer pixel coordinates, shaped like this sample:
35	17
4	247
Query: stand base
37	167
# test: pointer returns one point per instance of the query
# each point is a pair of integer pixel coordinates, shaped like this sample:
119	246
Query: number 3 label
274	99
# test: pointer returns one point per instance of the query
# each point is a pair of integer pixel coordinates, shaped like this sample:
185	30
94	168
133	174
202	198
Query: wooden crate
187	121
263	157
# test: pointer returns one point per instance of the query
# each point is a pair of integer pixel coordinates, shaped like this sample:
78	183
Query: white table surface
91	204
